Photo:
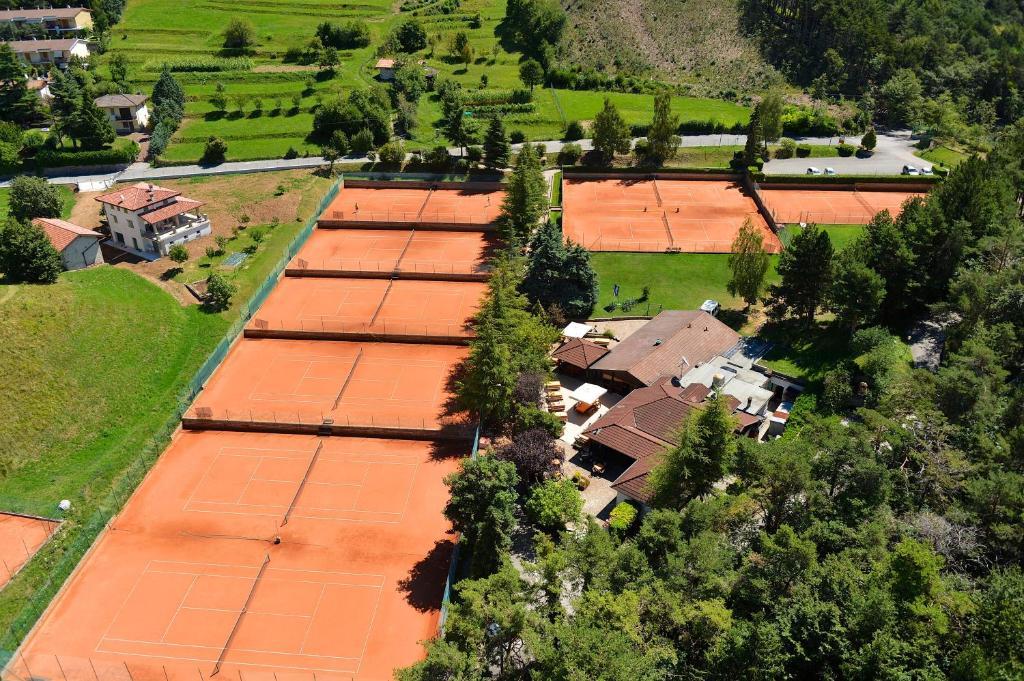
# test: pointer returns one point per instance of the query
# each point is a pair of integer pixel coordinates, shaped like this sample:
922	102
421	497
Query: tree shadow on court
423	586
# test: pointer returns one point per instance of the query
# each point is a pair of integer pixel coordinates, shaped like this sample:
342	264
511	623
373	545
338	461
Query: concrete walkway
893	151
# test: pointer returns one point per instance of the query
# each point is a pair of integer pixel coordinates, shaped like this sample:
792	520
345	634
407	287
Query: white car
814	171
830	171
910	170
926	171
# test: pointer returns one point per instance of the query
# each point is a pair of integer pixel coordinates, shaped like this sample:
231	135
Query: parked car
926	171
711	307
910	170
830	171
814	171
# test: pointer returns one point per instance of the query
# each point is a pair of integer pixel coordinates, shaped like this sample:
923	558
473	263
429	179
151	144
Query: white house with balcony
148	220
46	53
54	20
127	113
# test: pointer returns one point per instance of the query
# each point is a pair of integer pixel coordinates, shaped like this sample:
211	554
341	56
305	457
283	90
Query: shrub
475	153
554	503
803	151
239	34
581	481
26	254
33	197
392	153
438	156
787	148
622	518
570	154
218	293
362	142
846	149
178	253
869	140
532	452
869	339
574	131
215	151
529	417
211	252
291	153
517	137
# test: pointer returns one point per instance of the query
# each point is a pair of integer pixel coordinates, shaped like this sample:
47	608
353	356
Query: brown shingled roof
579	353
643	425
659	346
50	13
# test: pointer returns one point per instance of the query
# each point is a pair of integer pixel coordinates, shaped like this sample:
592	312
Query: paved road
893	151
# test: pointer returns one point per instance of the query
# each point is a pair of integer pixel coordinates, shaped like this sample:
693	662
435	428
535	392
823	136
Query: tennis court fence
406	217
57	559
387	266
195	416
384	329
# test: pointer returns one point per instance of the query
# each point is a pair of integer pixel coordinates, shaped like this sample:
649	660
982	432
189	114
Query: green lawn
943	156
677	281
840	235
66	194
809	354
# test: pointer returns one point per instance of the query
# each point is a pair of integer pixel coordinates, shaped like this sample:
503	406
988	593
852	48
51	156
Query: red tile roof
137	196
176	207
62	233
659	346
579	353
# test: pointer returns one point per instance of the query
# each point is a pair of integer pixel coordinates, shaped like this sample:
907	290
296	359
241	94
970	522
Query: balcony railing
190	223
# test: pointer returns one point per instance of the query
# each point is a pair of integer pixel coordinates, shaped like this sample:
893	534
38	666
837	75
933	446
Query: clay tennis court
700	216
833	207
389	307
385	251
391	205
190	582
20	537
391	385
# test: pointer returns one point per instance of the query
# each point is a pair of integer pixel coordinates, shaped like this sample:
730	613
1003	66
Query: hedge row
484	97
200	64
50	158
501	109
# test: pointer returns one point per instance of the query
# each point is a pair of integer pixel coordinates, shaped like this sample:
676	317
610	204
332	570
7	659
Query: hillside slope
696	42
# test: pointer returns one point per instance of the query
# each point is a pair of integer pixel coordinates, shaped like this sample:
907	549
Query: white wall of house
41	57
136	120
84	251
131	231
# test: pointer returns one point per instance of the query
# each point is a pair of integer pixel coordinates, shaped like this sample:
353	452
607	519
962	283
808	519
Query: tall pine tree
560	274
525	199
806	271
497	150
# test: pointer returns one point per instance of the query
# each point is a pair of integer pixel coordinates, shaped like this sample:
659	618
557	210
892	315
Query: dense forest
965	58
880	538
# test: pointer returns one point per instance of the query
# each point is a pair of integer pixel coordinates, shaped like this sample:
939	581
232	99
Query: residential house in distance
127	113
385	69
78	247
669	345
46	53
62	20
148	220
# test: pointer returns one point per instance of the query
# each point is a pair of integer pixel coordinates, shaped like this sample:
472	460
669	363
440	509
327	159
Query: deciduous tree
749	264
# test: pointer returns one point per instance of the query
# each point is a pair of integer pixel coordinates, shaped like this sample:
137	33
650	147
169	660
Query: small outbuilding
385	69
78	247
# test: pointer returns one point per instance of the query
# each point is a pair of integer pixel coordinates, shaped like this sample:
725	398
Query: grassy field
66	193
677	281
809	354
154	31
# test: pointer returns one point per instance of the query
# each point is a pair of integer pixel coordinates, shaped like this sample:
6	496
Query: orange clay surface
451	206
835	207
304	381
20	538
701	216
402	306
189	573
367	250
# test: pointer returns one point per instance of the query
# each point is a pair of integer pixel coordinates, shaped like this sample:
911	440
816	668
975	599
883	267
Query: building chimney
717	381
